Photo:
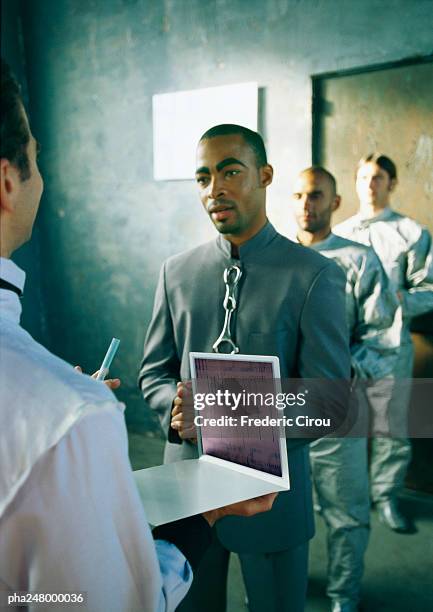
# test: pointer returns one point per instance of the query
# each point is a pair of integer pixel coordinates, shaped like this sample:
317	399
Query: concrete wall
93	68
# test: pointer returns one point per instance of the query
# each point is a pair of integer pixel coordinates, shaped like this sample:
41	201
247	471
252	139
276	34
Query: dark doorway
385	108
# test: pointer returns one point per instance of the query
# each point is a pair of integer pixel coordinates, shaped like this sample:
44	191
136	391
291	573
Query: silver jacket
372	310
405	249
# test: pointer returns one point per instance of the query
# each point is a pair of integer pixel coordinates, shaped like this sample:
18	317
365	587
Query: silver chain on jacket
231	277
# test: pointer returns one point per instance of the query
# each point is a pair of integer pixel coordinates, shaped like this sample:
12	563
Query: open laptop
235	462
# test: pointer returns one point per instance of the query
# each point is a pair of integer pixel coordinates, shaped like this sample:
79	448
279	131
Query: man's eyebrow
228	161
310	193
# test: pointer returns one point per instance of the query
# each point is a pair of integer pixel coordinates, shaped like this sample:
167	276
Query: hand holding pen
112	383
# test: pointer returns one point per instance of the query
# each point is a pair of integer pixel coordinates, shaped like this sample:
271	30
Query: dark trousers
275	582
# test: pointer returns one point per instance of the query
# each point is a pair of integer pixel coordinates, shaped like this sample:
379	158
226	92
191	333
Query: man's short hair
14	134
382	161
252	139
321	171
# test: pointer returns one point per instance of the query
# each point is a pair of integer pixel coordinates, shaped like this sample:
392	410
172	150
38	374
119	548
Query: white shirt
70	515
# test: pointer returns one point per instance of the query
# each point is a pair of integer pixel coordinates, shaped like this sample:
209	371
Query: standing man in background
339	465
405	250
284	294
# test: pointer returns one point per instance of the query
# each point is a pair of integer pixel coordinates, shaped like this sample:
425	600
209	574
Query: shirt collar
9	271
326	243
385	215
253	245
10	304
323	244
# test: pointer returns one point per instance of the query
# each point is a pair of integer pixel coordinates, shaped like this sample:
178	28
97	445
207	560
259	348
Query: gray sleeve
376	338
324	356
417	298
324	344
160	366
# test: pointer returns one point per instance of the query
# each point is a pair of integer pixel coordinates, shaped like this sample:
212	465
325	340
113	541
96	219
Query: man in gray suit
289	302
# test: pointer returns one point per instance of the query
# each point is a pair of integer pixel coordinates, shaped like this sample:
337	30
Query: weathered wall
93	68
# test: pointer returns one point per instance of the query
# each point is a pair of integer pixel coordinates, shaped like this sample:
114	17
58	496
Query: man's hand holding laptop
182	414
249	507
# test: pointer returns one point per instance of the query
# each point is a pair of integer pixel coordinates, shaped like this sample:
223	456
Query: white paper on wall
180	118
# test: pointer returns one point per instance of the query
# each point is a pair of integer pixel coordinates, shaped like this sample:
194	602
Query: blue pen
109	356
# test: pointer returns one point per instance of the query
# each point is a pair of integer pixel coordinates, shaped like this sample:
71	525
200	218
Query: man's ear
336	203
266	173
392	184
9	183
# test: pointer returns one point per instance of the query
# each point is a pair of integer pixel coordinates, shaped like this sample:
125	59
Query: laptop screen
238	388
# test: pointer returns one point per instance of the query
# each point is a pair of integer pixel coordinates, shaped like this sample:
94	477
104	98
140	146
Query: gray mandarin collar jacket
291	303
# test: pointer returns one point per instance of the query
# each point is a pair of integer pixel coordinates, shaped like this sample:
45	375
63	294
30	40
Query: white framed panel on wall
180	118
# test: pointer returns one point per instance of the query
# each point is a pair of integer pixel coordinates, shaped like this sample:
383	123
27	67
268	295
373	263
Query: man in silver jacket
339	464
405	250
